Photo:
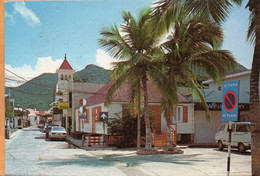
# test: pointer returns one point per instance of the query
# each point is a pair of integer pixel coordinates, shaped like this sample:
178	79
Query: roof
234	75
65	65
32	112
122	95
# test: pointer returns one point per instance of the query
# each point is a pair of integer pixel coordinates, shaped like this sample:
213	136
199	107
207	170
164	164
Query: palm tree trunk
168	121
148	143
139	121
254	99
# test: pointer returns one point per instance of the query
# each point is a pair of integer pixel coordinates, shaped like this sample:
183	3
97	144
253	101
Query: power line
15	74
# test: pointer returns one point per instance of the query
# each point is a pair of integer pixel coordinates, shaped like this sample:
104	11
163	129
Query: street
28	153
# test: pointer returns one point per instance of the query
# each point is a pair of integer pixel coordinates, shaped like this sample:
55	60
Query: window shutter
87	114
185	114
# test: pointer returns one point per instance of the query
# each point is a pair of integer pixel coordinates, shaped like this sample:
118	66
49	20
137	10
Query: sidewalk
78	143
14	134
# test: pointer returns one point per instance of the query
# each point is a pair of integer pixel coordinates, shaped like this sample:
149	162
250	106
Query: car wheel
241	147
220	145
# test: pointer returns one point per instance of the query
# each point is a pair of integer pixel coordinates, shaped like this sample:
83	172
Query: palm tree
133	46
218	11
192	45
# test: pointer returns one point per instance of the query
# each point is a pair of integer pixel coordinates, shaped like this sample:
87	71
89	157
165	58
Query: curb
14	134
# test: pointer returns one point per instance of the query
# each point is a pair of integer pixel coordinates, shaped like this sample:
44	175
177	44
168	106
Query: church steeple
65	65
65	72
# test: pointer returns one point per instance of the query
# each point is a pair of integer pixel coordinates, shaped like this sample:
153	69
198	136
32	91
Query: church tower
65	78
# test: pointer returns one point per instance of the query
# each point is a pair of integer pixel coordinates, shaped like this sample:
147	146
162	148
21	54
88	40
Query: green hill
94	74
39	92
36	93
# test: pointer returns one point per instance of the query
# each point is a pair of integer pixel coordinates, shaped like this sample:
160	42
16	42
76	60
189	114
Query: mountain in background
39	92
93	74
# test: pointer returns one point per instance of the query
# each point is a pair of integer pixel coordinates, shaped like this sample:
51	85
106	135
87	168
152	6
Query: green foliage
39	92
8	108
92	74
126	126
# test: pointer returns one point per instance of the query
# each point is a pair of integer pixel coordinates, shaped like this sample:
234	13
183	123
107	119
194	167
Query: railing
94	140
173	129
160	140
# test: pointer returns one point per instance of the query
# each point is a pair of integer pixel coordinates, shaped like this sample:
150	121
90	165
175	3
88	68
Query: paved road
28	153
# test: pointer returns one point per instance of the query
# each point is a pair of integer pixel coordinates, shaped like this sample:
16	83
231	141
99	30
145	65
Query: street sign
103	115
230	101
82	103
83	116
64	105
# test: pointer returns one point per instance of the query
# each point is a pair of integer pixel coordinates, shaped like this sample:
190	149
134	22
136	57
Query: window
243	128
178	115
95	113
222	128
61	77
66	77
233	127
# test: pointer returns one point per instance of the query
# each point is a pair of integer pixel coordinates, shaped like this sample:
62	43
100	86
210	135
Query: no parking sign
230	101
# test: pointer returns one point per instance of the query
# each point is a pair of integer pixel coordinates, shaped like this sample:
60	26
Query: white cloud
29	16
10	16
103	59
43	65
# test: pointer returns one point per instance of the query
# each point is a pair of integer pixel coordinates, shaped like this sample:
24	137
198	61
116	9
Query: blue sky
38	34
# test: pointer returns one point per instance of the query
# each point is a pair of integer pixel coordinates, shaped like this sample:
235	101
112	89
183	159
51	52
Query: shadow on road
235	151
126	160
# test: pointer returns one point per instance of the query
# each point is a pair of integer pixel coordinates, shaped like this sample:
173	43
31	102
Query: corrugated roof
122	95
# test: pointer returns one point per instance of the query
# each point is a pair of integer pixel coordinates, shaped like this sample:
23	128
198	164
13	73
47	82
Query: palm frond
193	84
216	10
251	30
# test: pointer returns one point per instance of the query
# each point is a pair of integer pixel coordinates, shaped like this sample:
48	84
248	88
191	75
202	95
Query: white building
68	91
184	116
204	129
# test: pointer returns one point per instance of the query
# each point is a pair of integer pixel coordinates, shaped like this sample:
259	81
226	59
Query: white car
57	133
240	136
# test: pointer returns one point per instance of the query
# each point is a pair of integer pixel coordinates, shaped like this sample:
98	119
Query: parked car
40	125
57	133
240	136
44	128
48	128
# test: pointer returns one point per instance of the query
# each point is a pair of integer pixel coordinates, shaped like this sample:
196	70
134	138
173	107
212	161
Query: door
157	118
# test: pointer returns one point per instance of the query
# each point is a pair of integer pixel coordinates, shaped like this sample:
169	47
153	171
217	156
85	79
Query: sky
38	34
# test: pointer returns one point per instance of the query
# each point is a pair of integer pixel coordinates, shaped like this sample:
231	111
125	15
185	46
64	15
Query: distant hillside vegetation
93	74
39	92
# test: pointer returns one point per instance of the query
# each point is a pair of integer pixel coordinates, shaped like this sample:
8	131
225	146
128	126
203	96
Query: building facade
205	129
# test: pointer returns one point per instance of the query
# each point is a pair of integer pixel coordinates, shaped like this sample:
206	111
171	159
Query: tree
218	11
9	112
134	46
192	45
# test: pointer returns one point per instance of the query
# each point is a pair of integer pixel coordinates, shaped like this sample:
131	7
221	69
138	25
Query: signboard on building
83	116
64	105
230	101
215	106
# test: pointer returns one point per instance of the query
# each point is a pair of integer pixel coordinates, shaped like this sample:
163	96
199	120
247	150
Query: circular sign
230	101
82	103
